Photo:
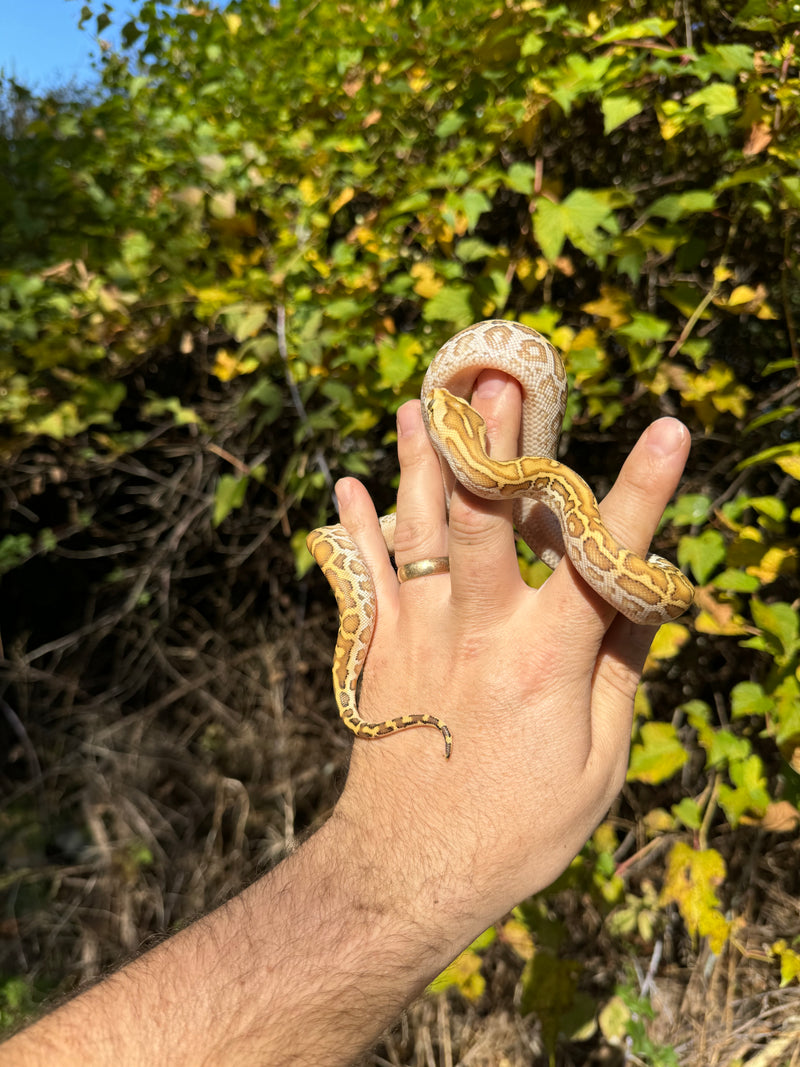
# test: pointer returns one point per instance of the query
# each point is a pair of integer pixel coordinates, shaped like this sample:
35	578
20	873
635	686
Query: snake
554	510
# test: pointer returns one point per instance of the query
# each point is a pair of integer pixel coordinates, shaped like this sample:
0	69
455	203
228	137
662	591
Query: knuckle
415	534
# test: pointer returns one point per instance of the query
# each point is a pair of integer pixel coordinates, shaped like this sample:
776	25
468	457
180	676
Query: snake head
453	419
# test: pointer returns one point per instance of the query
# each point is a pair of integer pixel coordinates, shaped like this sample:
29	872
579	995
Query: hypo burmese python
555	511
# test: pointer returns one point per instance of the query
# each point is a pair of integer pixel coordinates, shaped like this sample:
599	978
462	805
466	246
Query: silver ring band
422	568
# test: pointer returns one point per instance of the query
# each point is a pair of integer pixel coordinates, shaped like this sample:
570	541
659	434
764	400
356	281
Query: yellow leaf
227	366
669	640
790	962
427	285
657	755
418	79
744	294
658	821
307	190
464	973
790	465
776	562
613	1019
691	879
233	22
517	935
642	709
344	197
613	306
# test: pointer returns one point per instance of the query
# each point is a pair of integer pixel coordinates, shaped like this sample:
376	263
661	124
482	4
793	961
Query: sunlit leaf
691	881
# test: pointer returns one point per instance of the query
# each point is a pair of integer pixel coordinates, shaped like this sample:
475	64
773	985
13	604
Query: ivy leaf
748	792
581	217
520	177
690	509
678	206
702	553
749	698
658	755
618	108
667	643
736	581
397	360
690	882
689	812
452	304
716	100
781	622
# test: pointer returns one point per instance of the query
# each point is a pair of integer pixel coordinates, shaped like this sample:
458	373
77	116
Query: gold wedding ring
423	567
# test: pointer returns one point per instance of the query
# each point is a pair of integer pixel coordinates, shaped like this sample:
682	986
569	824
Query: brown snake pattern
555	511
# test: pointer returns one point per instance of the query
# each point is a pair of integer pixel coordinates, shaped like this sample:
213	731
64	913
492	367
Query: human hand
537	686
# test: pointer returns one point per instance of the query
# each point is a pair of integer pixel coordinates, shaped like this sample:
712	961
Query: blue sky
40	43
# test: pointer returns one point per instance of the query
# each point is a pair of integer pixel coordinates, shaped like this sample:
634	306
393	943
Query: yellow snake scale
555	511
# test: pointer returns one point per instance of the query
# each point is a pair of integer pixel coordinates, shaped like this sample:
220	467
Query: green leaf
549	988
724	747
716	100
550	228
736	581
579	77
303	560
470	249
520	177
749	698
726	61
618	108
749	792
245	320
644	327
658	755
690	509
451	123
632	31
398	359
780	621
702	554
689	812
581	217
678	206
228	496
452	304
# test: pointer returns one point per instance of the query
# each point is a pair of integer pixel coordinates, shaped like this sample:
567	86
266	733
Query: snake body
555	511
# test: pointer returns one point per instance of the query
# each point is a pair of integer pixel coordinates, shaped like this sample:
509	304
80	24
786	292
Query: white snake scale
555	511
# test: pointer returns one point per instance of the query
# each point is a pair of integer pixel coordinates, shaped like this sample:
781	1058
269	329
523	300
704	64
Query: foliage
287	208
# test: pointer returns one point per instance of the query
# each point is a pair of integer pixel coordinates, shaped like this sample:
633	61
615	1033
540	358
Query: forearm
308	965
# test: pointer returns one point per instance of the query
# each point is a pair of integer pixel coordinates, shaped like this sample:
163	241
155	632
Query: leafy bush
288	208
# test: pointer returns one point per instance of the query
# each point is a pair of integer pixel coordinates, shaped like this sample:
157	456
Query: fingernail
490	384
666	436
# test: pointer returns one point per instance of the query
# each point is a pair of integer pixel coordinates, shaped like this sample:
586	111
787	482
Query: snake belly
555	511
